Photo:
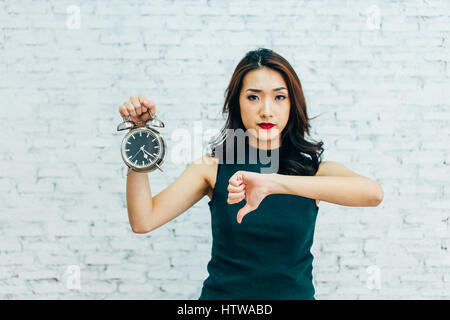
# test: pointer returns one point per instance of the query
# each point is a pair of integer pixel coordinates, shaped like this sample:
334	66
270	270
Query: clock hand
137	152
153	157
161	170
148	153
135	155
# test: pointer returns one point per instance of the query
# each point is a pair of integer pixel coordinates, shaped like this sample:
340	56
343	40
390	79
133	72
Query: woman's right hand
137	108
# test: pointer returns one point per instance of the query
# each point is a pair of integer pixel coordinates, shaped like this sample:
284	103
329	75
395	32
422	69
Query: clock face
142	148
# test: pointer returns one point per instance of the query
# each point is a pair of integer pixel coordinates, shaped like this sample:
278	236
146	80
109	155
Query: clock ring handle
128	124
155	122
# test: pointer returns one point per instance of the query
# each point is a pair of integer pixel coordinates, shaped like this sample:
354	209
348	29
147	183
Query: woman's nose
266	108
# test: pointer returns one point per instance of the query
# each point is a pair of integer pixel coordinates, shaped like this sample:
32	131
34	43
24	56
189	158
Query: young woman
267	254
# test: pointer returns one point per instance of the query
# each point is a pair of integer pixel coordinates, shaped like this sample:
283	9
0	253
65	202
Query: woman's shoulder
208	165
206	160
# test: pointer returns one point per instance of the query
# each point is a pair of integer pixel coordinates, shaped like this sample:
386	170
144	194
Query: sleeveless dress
268	255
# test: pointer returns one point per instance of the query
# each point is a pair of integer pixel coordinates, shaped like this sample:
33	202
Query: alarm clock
143	149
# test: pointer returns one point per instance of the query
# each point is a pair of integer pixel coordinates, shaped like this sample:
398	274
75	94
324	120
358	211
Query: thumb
244	210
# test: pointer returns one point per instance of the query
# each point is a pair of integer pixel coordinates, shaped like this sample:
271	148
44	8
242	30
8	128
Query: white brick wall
383	98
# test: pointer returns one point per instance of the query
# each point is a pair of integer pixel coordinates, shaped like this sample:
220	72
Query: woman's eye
280	97
253	96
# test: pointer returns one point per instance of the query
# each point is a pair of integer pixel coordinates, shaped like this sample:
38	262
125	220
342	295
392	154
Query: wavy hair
297	155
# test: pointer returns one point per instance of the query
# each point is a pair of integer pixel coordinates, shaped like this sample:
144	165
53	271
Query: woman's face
264	98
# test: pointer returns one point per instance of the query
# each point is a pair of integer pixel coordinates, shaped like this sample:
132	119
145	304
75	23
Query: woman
266	255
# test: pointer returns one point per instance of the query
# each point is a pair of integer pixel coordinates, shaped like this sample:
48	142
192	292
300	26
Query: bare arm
139	201
333	183
345	191
146	213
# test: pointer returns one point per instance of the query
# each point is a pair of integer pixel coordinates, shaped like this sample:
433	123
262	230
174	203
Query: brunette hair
297	155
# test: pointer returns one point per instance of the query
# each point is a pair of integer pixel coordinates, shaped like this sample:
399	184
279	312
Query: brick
203	10
164	273
47	286
172	288
399	26
99	287
11	244
136	288
102	259
14	259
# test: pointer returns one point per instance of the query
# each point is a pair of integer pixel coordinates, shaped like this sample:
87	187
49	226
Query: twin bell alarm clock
143	148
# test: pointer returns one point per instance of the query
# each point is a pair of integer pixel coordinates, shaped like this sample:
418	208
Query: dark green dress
268	255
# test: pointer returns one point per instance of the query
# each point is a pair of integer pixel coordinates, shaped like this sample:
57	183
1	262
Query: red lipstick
266	125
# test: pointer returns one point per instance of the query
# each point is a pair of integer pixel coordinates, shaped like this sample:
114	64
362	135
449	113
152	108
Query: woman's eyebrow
259	90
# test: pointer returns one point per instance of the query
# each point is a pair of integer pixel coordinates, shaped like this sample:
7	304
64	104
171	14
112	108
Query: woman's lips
266	125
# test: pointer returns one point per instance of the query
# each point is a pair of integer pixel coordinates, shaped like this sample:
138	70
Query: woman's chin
264	136
267	135
267	141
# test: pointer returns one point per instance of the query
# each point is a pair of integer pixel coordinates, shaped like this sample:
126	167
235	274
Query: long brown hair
297	156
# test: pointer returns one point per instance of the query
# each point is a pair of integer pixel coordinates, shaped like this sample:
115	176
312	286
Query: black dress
268	255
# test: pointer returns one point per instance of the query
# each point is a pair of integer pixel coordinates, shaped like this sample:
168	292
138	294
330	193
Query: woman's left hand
251	186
